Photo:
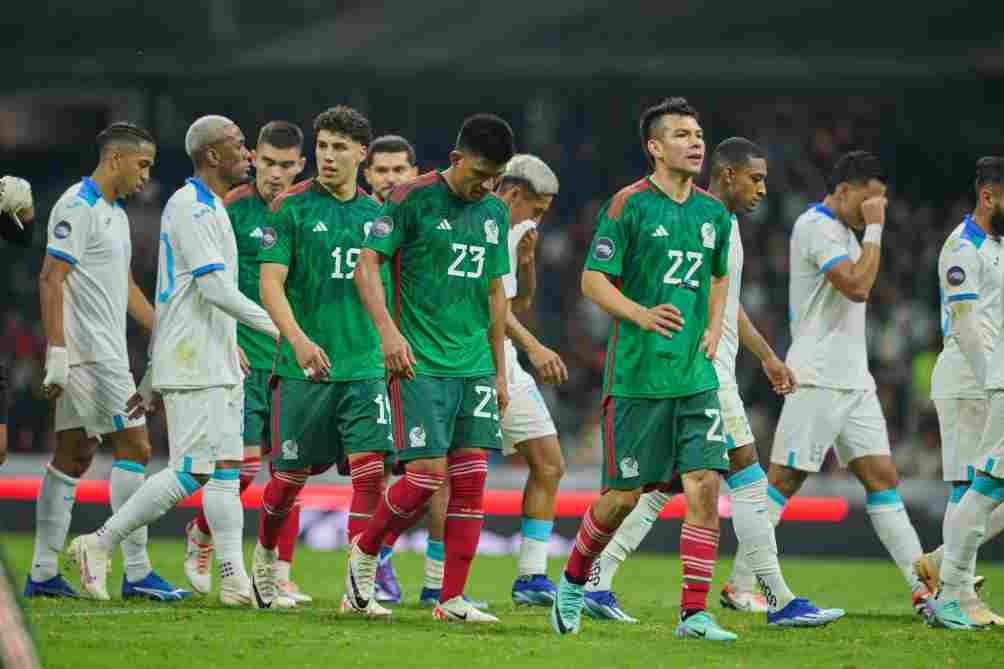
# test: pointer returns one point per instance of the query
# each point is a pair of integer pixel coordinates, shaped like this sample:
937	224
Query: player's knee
623	502
550	472
741	458
75	461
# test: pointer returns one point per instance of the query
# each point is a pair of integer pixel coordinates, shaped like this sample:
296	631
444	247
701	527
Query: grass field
880	630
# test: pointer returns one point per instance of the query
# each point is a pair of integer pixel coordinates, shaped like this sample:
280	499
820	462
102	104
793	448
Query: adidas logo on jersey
257	233
444	225
320	227
660	232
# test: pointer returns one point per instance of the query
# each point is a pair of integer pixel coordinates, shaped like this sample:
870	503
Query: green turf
880	630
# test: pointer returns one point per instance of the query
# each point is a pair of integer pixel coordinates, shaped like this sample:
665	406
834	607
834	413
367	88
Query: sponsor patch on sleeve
955	276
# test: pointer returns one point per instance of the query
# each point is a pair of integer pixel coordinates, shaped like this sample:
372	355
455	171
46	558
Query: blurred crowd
801	143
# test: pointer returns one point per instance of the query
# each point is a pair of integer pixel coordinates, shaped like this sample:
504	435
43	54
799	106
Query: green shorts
324	423
649	441
437	414
256	408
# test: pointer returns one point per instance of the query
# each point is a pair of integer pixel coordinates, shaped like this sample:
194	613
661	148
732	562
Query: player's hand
549	365
662	318
502	394
398	358
873	210
709	342
312	359
527	247
144	401
57	369
782	379
245	365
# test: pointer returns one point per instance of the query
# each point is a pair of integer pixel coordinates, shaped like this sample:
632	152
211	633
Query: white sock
533	548
895	531
126	478
958	490
966	535
159	494
435	561
282	570
221	502
756	534
53	512
776	502
628	537
995	524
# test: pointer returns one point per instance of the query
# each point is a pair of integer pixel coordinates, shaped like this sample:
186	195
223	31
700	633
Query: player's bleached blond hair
531	171
203	133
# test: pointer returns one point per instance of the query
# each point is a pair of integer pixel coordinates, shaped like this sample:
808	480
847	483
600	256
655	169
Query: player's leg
387	587
435	548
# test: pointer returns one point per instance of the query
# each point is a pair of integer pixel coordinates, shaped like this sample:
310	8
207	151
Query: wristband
873	234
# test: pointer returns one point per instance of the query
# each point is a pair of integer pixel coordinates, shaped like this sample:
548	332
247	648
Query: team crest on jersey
708	235
491	231
604	249
290	450
268	237
955	276
383	226
367	226
62	230
629	468
417	437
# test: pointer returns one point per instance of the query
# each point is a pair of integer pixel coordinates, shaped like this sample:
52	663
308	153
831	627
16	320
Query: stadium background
917	88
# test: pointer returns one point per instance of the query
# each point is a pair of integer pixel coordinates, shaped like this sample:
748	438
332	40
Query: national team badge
417	437
629	468
268	238
382	227
708	235
604	249
491	231
62	230
290	450
956	276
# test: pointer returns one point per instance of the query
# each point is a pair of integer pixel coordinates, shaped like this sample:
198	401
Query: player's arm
526	273
961	283
547	362
717	296
499	310
138	306
311	357
855	279
781	378
50	289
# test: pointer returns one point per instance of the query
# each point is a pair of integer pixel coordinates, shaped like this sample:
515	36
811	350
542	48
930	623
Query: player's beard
997	223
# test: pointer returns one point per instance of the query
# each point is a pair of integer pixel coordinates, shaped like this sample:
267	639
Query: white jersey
828	347
91	234
728	346
969	269
194	343
517	376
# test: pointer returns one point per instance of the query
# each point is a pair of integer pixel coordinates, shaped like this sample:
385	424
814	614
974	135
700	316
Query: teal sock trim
538	530
776	495
436	550
748	476
129	466
187	482
226	474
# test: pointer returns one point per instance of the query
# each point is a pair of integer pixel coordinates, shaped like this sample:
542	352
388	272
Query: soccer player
448	237
278	159
87	289
390	162
832	275
971	426
658	264
195	368
739	180
329	398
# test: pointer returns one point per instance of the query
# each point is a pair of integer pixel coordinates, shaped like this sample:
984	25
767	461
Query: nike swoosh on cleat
361	603
561	623
457	615
262	604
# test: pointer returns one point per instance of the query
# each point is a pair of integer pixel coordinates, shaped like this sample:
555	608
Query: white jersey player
195	368
831	277
86	291
739	179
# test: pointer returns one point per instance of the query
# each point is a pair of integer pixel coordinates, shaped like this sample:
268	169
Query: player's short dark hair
734	152
857	168
345	120
650	117
281	135
121	133
989	171
391	144
488	136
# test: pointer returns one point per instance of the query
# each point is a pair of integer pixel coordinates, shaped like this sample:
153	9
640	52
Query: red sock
367	484
399	508
698	553
289	533
249	470
464	517
276	503
592	538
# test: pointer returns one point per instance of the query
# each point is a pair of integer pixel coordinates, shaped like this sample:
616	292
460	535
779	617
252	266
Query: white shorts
526	418
814	420
95	399
204	426
991	460
737	425
962	422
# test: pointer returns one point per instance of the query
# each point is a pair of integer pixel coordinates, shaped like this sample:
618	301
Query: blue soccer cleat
603	605
386	587
536	590
154	588
430	597
53	587
566	612
800	612
949	615
703	626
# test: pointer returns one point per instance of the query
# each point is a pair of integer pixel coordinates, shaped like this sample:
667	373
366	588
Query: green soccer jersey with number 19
445	253
318	237
655	248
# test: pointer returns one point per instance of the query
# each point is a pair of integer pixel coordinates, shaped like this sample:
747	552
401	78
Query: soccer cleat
360	576
919	602
53	587
386	587
949	615
703	626
198	561
288	588
373	610
430	597
154	588
263	584
235	591
980	613
603	605
742	600
800	612
459	610
566	612
535	590
93	565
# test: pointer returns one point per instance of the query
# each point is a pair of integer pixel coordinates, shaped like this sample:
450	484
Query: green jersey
248	216
660	251
318	237
445	253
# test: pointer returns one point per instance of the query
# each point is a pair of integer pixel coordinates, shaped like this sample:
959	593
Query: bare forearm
518	332
497	328
751	339
371	292
526	287
139	307
51	297
716	302
598	289
273	298
867	267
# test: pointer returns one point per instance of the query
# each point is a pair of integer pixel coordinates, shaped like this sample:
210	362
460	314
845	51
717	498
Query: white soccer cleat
980	613
263	585
373	610
93	565
288	588
459	610
745	601
198	560
359	578
236	591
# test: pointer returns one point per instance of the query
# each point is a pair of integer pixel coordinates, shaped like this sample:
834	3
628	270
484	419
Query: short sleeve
278	238
827	245
611	241
70	225
198	239
388	230
500	251
960	271
720	257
